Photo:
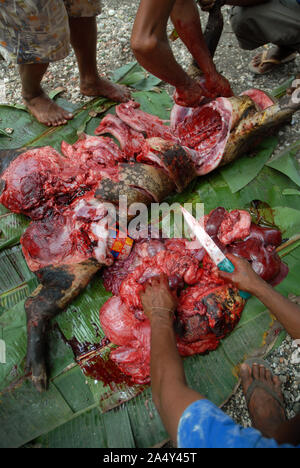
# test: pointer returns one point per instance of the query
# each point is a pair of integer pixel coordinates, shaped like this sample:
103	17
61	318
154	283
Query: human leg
276	22
38	103
83	36
264	62
34	37
265	404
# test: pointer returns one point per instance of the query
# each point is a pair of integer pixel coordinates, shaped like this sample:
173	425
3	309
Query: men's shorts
275	22
37	31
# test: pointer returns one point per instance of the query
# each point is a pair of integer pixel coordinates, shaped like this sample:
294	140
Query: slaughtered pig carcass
66	194
208	307
197	141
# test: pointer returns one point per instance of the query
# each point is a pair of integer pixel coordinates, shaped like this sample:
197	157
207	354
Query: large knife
216	254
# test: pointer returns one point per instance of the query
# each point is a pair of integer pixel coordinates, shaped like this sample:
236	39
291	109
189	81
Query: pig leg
253	128
59	286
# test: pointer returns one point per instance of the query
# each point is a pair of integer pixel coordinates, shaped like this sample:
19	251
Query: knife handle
227	266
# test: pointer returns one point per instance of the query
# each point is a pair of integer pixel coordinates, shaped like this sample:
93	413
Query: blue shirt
204	425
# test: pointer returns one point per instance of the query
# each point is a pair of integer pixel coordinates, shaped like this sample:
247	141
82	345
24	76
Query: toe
262	372
68	116
269	376
245	371
255	371
256	60
245	374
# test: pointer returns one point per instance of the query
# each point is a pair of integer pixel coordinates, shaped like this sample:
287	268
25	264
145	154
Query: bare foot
47	111
102	87
266	61
266	413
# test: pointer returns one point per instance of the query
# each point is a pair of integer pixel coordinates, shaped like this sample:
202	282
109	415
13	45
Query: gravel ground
114	29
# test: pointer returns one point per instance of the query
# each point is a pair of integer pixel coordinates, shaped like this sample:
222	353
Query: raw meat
91	153
132	336
41	181
131	141
235	226
206	313
178	114
208	307
261	99
34	182
179	268
147	124
205	132
114	275
72	236
260	249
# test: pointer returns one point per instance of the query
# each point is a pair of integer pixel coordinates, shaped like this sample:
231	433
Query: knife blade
215	253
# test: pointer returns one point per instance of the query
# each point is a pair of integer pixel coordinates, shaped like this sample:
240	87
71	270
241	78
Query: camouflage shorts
37	31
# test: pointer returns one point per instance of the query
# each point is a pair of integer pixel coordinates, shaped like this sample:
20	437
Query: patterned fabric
204	425
37	31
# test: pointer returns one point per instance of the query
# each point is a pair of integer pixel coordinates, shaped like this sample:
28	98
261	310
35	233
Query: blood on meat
208	306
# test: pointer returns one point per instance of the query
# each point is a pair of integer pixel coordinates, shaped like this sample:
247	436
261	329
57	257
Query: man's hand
243	276
193	93
190	95
287	313
158	300
218	86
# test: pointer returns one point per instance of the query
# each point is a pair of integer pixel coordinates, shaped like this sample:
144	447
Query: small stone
283	378
295	358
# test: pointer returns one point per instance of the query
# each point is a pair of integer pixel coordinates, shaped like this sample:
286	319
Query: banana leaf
47	410
79	410
14	274
12	227
241	172
281	90
133	75
287	163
